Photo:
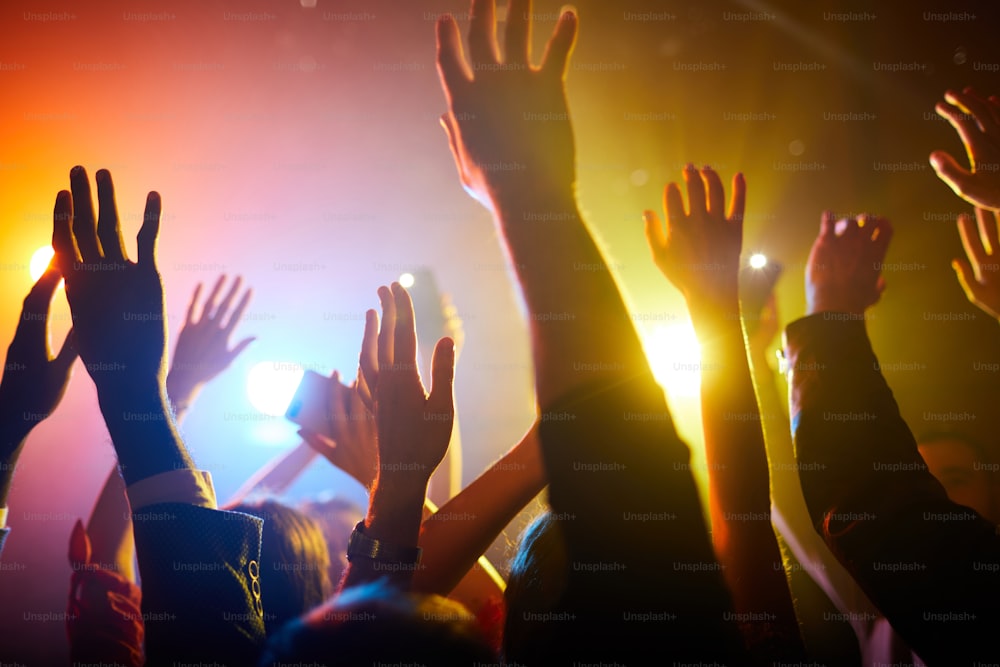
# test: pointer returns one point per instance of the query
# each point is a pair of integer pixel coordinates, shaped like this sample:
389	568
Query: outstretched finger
208	308
237	315
368	361
716	195
189	318
972	243
149	231
965	124
483	46
67	255
405	337
517	37
695	190
988	231
971	103
227	301
109	230
84	225
966	278
451	65
673	204
827	224
560	45
386	332
737	204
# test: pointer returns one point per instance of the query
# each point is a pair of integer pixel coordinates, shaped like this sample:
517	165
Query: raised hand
117	304
203	350
700	250
507	121
119	323
414	428
354	445
977	121
33	380
844	270
979	272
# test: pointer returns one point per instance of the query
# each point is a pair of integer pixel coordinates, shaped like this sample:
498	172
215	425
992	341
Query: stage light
675	358
407	280
272	384
758	261
40	261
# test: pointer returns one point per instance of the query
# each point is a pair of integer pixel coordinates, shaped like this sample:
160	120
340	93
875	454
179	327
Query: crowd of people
625	567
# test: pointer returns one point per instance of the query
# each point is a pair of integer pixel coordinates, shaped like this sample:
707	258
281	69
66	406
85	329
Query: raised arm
509	129
33	380
699	252
918	556
414	429
203	350
198	566
608	443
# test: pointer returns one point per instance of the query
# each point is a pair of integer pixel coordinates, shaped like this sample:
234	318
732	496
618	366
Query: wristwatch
362	546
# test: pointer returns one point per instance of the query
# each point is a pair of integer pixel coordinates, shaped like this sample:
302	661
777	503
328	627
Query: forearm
277	474
739	495
143	431
110	528
11	444
395	510
579	325
464	528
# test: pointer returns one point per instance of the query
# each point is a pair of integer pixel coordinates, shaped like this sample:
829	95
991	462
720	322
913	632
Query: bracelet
362	546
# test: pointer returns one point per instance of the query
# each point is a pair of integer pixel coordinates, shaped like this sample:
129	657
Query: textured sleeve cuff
191	487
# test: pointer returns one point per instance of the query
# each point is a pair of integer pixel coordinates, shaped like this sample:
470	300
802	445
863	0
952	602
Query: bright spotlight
675	358
406	280
40	261
272	384
758	261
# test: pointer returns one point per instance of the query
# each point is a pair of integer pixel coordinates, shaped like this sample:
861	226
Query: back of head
336	518
377	623
294	562
536	583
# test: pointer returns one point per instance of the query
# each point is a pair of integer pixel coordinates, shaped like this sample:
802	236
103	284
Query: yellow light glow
675	358
758	261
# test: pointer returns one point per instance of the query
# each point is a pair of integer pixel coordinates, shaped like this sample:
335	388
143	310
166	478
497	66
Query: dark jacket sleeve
641	566
200	588
3	538
928	564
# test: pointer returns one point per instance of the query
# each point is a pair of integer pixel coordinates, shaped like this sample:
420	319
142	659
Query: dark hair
376	622
535	585
294	562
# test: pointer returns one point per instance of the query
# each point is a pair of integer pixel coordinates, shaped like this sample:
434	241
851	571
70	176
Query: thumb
67	353
149	231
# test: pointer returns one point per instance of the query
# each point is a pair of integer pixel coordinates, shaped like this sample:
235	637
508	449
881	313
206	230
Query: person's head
294	562
537	580
336	518
958	462
377	623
